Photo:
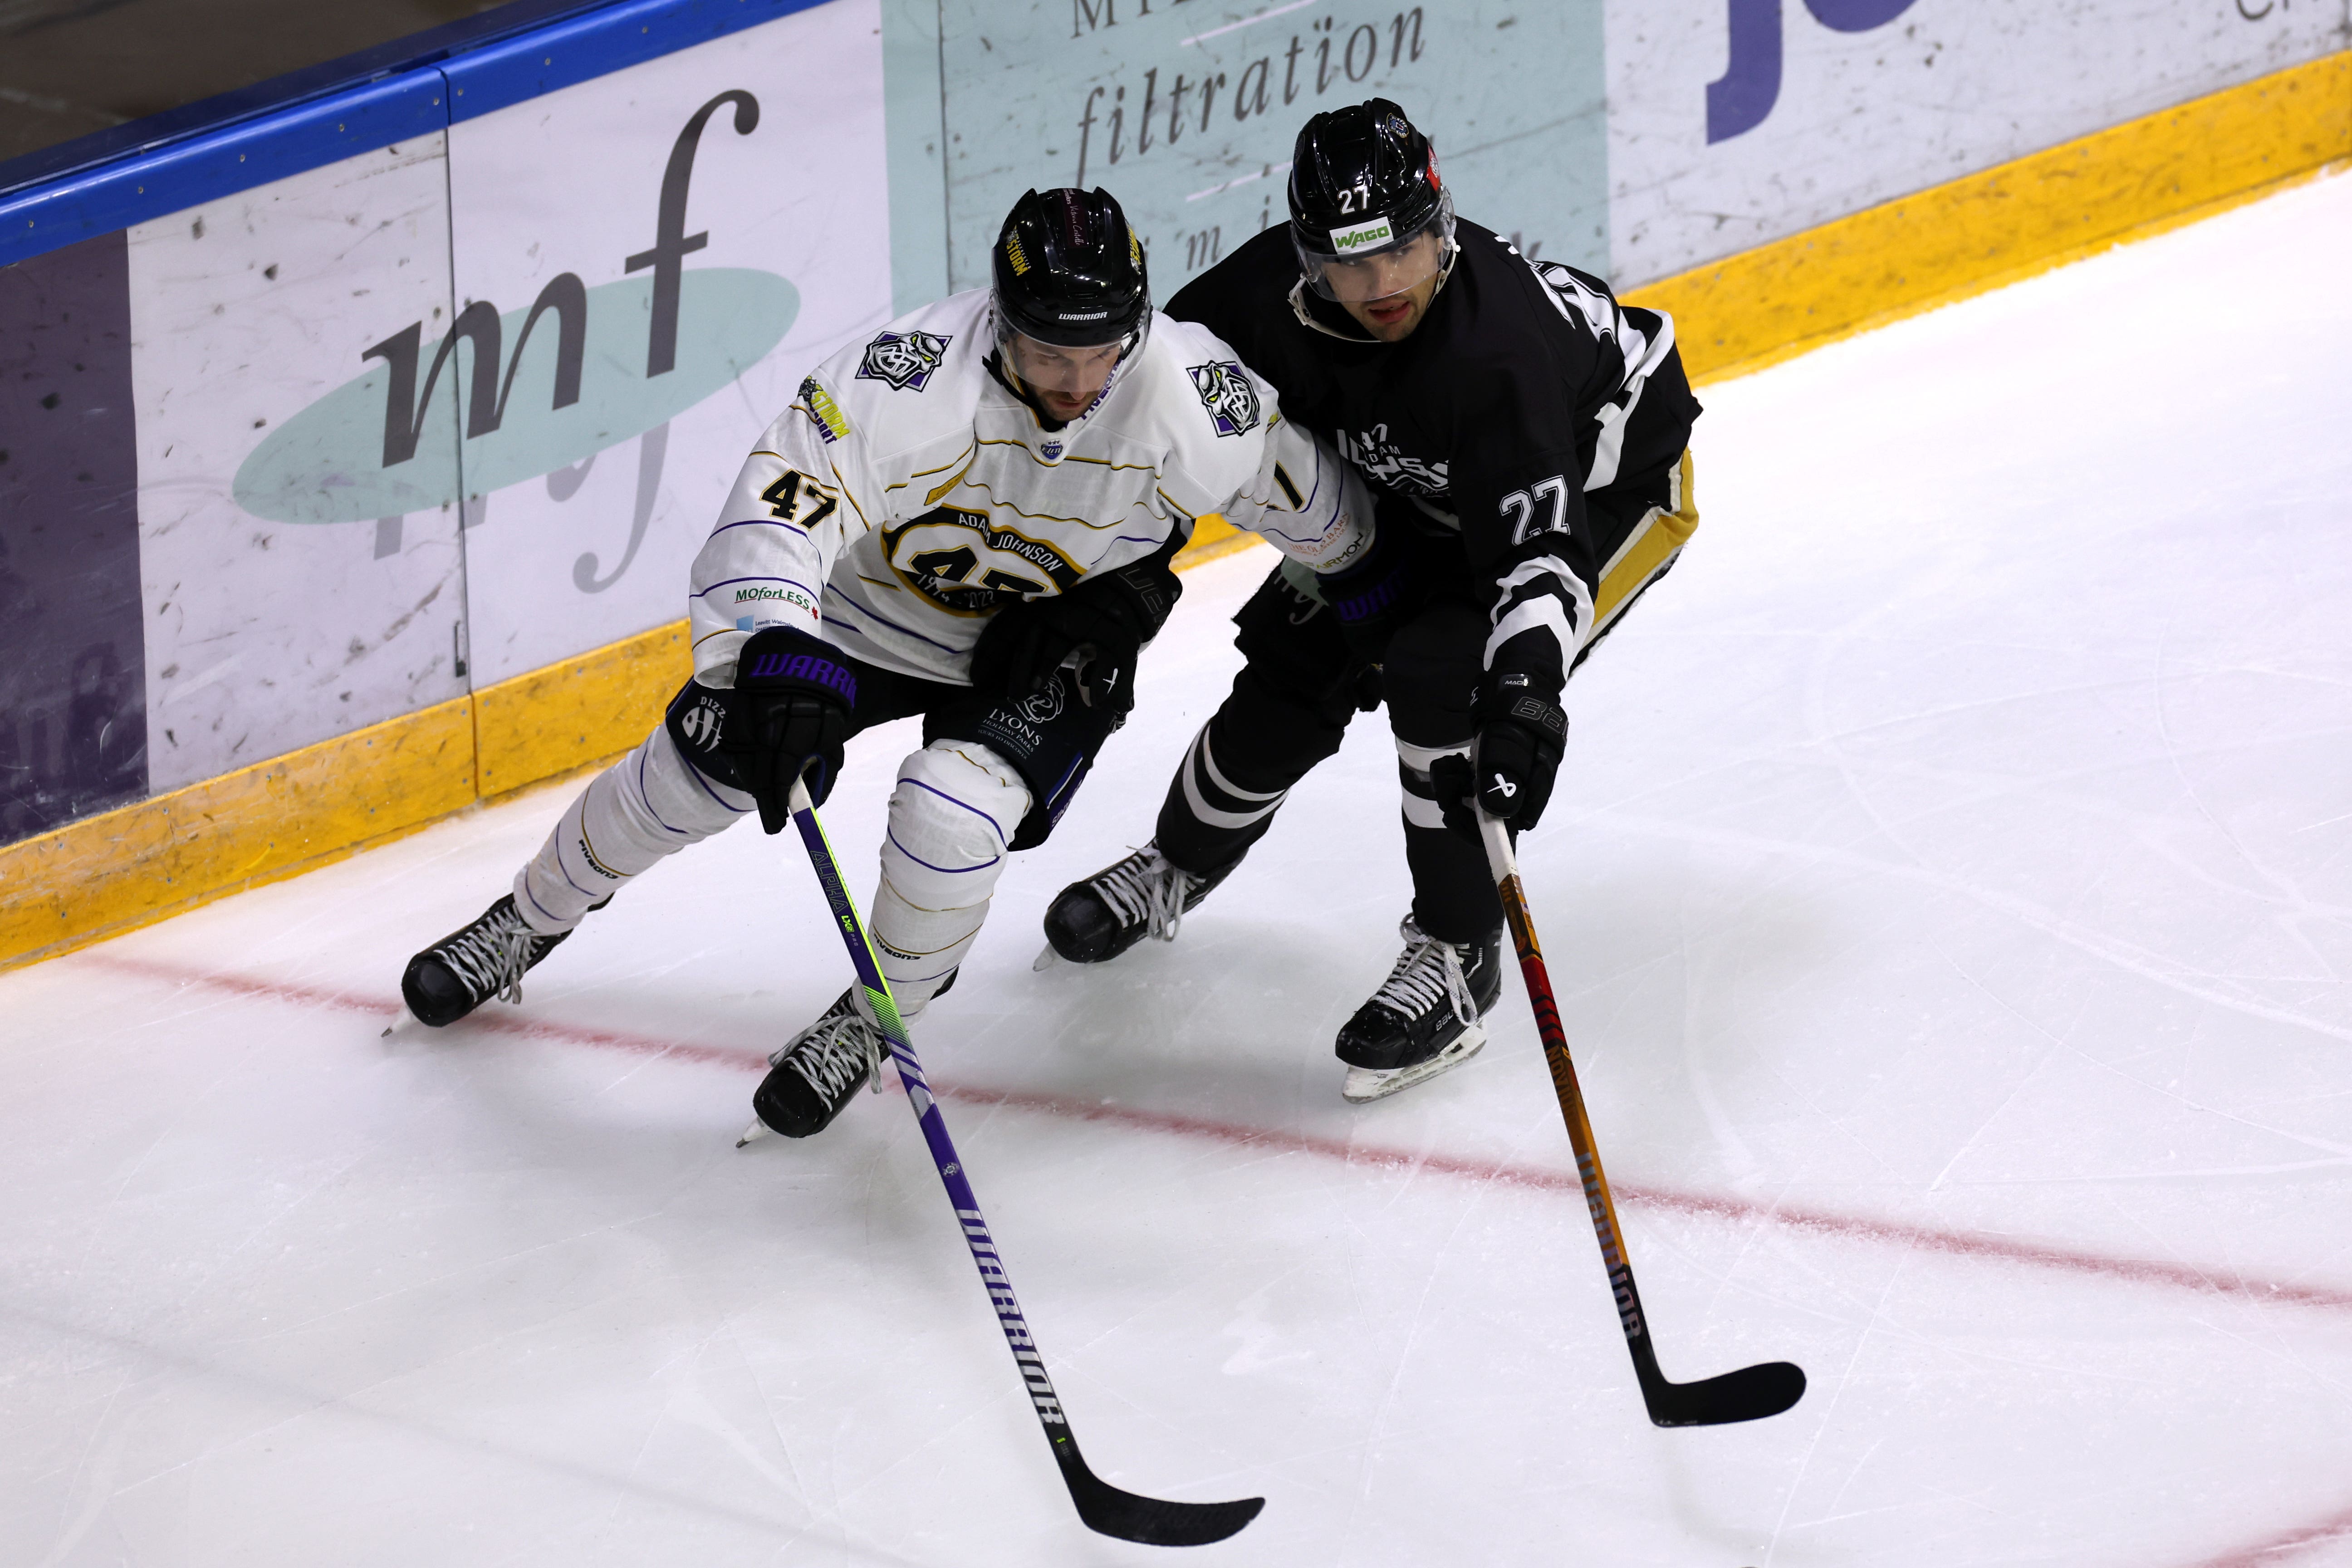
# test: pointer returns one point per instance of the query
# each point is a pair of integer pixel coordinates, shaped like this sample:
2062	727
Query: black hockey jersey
1530	412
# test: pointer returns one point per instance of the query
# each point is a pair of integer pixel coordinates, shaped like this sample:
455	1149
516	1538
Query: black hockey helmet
1068	270
1363	184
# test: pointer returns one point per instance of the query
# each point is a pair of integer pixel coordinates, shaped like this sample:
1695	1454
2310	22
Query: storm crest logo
905	361
1226	392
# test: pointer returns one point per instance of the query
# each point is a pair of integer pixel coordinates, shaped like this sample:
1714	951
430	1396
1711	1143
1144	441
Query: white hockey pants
955	808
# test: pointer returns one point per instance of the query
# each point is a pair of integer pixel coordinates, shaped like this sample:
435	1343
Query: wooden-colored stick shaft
1538	979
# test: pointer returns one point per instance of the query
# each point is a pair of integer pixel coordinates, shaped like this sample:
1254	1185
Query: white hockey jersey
906	495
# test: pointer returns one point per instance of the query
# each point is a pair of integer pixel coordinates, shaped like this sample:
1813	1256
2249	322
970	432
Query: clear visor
1061	375
1386	266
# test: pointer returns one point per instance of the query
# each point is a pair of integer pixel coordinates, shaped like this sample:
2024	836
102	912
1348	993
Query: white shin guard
957	805
651	804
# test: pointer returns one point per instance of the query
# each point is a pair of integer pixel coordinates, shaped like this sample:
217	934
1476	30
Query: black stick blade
1751	1394
1149	1520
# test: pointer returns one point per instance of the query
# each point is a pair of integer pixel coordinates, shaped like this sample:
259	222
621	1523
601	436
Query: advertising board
1186	110
1732	123
715	221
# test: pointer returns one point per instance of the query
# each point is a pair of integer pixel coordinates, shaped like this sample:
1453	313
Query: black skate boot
812	1078
473	963
1095	920
1424	1017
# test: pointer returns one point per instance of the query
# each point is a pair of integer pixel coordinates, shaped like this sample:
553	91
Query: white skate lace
491	955
1429	970
835	1051
1145	888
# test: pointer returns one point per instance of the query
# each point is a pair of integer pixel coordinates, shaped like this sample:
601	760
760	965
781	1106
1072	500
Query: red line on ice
2274	1549
1961	1244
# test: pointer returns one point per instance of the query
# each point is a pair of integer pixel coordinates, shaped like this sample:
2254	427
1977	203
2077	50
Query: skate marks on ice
2003	928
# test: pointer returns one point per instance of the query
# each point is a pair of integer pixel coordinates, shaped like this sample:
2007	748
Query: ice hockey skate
473	964
821	1070
1095	920
1425	1018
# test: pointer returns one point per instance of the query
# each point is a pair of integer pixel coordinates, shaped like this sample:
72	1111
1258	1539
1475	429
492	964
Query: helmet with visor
1072	297
1369	216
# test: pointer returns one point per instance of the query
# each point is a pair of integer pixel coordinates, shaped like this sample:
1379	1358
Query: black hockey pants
1291	704
1289	709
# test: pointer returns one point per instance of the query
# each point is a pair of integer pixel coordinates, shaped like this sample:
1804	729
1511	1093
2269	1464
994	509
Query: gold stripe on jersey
919	476
1648	550
1065	462
1118	522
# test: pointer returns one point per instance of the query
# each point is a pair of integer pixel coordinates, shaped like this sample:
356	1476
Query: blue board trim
153	133
598	43
234	158
207	163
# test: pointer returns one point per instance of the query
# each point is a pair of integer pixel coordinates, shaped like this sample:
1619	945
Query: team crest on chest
1386	461
1226	392
905	359
964	564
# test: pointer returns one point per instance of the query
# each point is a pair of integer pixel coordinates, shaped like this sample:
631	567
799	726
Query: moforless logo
530	392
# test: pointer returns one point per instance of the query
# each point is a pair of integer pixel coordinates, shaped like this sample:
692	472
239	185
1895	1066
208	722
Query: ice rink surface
1949	890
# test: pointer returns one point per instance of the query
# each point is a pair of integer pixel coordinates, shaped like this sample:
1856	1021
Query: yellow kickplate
139	863
597	705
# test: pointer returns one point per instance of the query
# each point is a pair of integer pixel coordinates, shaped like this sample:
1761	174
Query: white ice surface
1949	893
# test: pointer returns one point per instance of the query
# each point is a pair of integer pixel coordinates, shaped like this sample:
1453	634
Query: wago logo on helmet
1363	236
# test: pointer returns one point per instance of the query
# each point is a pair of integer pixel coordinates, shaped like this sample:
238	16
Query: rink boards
261	615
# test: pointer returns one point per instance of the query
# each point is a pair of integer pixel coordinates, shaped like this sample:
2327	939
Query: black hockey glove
1105	619
1521	734
1378	593
788	716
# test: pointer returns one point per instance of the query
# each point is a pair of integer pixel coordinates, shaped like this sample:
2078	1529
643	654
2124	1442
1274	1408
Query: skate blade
753	1133
1045	959
1367	1084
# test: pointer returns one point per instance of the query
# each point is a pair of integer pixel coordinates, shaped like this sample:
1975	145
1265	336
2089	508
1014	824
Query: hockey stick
1749	1395
1103	1507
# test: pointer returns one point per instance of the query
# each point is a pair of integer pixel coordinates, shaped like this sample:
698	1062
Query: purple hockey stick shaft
1103	1507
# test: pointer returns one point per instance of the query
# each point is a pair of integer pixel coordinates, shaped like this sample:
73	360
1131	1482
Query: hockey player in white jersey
969	517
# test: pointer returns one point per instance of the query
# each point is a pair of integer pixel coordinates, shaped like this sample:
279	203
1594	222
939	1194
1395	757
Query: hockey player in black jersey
1527	438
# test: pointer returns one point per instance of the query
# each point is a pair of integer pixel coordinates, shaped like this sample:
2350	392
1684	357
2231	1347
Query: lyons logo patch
1363	238
1226	392
907	360
1044	705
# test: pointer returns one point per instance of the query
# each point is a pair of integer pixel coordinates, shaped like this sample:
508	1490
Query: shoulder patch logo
1226	392
905	359
823	411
